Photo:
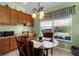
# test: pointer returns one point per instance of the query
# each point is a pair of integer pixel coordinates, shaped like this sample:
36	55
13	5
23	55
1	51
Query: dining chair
35	51
31	35
49	37
26	48
22	46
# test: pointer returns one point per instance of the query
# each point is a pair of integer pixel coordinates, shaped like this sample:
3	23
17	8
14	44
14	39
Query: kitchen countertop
12	36
9	36
6	37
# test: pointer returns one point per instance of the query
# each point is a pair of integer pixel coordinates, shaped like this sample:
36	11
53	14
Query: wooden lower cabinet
13	44
0	47
5	45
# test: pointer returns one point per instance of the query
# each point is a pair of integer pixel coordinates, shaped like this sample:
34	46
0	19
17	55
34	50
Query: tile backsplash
16	28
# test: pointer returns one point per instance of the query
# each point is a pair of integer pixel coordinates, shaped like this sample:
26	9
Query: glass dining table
45	45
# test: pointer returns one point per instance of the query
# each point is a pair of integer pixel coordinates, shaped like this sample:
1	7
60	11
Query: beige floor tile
56	52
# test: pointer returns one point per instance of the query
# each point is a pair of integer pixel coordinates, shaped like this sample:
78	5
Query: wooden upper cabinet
30	20
13	16
24	18
21	17
4	15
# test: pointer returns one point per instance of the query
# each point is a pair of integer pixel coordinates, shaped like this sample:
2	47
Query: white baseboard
68	50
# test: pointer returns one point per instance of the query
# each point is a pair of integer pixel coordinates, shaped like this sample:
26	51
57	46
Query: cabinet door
28	20
24	19
0	47
4	15
13	44
13	16
21	18
31	21
5	45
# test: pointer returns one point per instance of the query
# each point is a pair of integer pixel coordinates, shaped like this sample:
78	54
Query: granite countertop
6	37
9	36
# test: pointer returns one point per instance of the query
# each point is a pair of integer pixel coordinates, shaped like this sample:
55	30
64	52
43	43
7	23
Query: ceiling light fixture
38	12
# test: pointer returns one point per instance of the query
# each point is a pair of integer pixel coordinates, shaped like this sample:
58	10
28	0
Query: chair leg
47	52
52	51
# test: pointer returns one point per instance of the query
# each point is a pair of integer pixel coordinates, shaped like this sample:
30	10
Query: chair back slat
22	46
48	35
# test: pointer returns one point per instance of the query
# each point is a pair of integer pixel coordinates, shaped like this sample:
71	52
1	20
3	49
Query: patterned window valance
61	12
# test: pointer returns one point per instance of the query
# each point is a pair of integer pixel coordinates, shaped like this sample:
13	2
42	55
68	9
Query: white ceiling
47	5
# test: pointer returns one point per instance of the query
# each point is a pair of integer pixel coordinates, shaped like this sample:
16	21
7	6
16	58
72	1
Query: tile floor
56	52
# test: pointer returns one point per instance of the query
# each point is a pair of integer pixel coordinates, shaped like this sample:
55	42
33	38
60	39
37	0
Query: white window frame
63	40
